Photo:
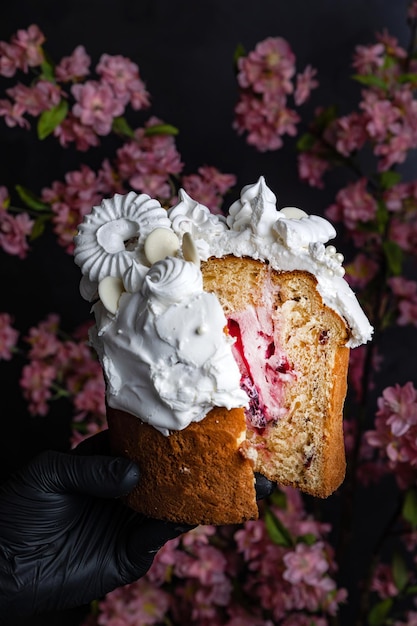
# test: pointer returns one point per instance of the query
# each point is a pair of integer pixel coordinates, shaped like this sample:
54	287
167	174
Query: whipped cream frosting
159	336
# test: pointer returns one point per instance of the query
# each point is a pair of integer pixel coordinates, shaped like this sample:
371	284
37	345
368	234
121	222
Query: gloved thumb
100	476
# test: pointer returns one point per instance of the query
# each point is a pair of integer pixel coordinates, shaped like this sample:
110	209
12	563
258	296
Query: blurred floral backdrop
295	566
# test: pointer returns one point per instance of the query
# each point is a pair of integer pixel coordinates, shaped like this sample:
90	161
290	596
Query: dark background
185	53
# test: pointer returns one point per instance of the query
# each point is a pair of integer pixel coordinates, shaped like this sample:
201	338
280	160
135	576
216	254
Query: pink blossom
368	59
137	603
33	100
73	67
10	59
306	82
403	230
269	68
383	581
36	381
123	76
30	42
391	45
8	336
148	161
42	338
96	105
208	186
14	231
406	292
305	564
350	133
354	204
72	130
209	565
311	169
13	114
361	271
71	200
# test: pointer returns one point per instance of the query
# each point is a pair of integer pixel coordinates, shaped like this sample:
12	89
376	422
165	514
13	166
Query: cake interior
290	348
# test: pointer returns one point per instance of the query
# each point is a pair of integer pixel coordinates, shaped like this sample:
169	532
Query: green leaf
306	142
389	178
370	81
161	129
308	539
323	119
382	216
411	590
238	53
278	498
394	257
379	612
407	78
30	199
121	126
399	571
38	229
276	530
48	69
409	510
52	118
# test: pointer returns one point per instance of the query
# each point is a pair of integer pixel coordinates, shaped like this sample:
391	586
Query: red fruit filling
263	366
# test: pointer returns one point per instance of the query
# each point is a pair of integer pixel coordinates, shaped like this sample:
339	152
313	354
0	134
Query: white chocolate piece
161	243
293	213
189	249
109	290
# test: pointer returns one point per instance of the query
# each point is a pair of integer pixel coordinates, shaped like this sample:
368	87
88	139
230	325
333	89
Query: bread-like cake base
204	473
302	350
196	476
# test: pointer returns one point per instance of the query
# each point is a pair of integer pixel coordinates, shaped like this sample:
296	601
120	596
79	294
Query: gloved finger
96	444
100	476
145	540
263	486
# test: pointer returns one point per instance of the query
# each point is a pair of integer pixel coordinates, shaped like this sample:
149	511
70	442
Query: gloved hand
65	538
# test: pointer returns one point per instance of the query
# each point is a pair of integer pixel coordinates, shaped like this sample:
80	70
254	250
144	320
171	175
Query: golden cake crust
196	475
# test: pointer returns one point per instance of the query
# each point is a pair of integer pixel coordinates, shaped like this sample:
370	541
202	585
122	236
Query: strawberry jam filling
263	366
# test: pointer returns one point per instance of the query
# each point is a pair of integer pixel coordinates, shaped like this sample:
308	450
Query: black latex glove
65	539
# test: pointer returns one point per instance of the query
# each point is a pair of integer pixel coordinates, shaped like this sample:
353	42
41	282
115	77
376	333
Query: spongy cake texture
304	448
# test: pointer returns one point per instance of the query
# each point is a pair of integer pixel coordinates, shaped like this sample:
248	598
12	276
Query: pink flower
13	233
137	603
305	564
96	105
10	59
311	169
305	84
73	67
354	204
268	68
208	566
42	338
36	381
148	161
41	97
350	133
361	271
8	336
368	59
399	405
406	292
72	130
13	114
123	76
29	42
208	186
383	581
